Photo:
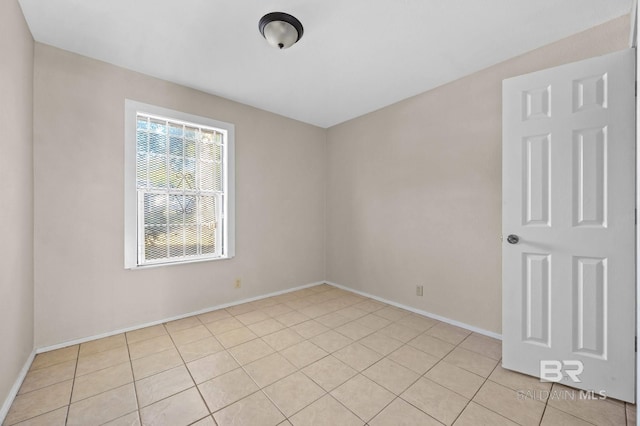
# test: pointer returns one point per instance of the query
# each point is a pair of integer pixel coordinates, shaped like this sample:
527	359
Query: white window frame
131	197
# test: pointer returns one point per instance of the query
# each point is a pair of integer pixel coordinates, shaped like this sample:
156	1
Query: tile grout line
326	392
45	387
240	366
73	384
356	320
442	359
102	369
544	410
383	357
324	308
486	379
184	364
513	390
135	389
73	379
282	378
425	373
565	412
105	391
305	339
226	349
261	389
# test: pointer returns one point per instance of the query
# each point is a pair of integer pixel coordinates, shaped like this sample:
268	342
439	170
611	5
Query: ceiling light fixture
280	29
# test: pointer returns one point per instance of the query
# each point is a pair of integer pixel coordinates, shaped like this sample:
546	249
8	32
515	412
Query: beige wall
16	211
82	288
414	189
413	192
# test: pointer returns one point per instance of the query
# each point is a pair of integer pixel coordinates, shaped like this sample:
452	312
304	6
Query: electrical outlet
238	283
419	290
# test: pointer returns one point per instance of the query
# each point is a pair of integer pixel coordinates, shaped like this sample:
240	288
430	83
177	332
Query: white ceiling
356	56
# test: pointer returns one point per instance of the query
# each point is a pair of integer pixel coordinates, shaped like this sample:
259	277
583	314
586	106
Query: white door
569	199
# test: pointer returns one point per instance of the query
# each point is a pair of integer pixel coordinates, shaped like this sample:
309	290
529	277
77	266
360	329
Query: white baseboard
23	373
16	387
421	312
177	317
14	390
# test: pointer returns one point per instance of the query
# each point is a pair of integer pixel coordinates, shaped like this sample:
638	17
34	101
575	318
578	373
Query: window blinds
179	181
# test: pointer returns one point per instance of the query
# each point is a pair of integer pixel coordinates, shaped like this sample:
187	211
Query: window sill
180	262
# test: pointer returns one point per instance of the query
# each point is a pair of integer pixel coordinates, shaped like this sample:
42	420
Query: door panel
590	177
589	306
537	179
569	195
537	280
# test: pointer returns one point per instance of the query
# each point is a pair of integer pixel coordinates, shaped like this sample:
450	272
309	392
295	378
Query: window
179	188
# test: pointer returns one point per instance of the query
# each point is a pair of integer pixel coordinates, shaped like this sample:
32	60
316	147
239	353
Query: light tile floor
318	356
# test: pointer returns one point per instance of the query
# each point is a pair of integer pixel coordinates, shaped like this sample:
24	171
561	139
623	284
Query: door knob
513	239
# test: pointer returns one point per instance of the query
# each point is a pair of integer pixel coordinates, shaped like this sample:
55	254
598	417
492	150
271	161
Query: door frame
633	43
